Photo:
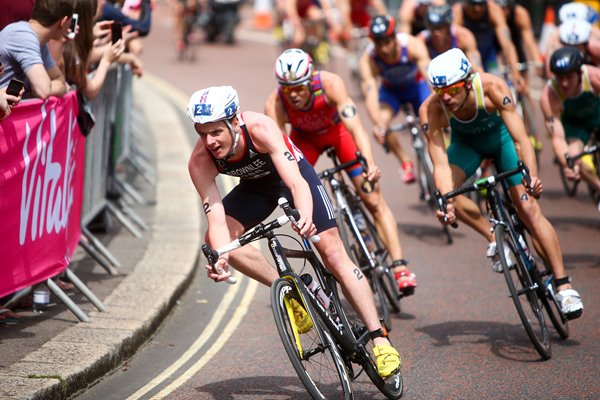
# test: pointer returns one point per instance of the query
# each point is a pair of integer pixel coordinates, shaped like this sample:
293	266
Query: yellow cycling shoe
302	320
388	360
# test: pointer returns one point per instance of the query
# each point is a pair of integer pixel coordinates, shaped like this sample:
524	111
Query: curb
86	352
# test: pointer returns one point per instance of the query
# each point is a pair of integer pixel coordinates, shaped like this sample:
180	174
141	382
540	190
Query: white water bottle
362	227
524	245
41	298
314	287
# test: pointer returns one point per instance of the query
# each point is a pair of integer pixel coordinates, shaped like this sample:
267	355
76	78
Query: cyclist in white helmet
575	29
251	146
579	34
485	124
320	113
571	105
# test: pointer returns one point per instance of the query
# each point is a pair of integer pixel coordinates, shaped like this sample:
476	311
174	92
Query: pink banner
41	183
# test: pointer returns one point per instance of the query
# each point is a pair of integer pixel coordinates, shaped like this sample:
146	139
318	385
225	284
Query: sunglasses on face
450	90
294	88
383	42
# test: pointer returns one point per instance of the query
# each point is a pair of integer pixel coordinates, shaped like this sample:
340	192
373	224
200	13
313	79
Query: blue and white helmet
212	104
448	68
574	32
578	11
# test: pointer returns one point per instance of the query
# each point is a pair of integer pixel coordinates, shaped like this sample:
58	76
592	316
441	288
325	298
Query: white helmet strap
235	135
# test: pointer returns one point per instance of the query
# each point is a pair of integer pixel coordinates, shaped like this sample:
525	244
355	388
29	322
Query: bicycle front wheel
523	291
314	354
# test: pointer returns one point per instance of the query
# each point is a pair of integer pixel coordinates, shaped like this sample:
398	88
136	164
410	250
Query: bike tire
558	319
383	272
543	277
427	186
381	303
391	387
531	126
314	354
524	293
347	237
569	185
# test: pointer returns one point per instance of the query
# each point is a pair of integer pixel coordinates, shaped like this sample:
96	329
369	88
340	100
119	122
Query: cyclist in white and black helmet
571	105
251	146
579	34
485	124
575	28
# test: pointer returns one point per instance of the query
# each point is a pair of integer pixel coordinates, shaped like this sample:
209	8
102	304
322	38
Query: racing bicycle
529	279
360	237
424	164
336	349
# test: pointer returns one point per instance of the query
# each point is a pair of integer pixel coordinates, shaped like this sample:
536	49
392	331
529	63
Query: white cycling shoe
492	254
570	303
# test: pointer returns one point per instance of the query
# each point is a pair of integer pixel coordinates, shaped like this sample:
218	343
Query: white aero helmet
212	104
293	67
578	11
448	68
574	32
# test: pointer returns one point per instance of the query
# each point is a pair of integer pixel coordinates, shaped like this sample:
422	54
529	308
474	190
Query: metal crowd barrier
109	144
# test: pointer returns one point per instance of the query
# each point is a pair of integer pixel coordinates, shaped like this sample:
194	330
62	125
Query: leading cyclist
484	121
251	146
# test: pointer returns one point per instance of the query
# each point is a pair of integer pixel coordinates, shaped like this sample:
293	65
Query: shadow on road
508	341
260	387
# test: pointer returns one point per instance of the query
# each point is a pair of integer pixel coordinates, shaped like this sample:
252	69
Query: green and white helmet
448	68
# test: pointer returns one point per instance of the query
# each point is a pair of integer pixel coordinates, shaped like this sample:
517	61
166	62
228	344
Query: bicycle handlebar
586	150
487	182
366	186
258	232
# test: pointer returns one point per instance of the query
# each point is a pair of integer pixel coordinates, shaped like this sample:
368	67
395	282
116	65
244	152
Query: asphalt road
459	335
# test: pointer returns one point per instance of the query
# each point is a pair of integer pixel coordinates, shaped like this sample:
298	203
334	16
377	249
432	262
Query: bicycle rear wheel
524	292
314	354
383	272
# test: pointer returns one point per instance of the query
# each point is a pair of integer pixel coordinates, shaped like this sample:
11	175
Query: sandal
388	360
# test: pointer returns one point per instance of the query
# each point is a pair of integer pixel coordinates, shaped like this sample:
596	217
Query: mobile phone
73	26
116	30
14	88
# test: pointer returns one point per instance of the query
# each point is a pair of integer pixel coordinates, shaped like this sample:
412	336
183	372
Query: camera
14	88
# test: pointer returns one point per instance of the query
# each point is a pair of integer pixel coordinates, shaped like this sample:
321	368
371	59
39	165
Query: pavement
53	355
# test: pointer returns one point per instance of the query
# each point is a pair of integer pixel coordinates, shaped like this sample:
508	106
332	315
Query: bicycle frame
280	255
504	220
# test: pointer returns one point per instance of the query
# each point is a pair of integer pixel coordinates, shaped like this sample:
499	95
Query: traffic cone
548	28
262	14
